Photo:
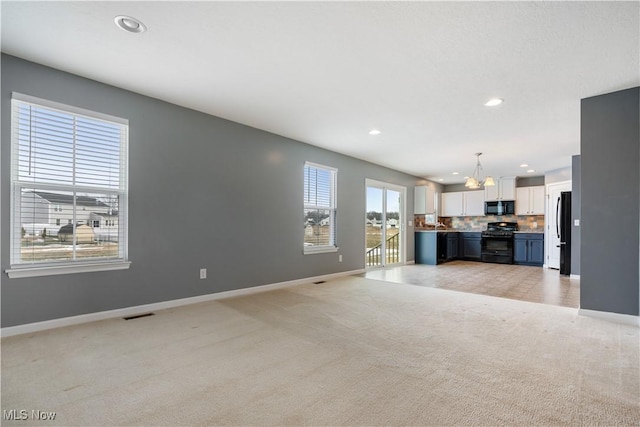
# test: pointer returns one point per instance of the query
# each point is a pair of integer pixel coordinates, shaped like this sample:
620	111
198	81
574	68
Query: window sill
51	270
320	249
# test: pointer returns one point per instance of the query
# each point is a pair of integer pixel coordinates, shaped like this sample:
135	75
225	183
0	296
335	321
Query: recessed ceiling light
456	173
374	132
440	179
524	165
129	24
530	171
493	102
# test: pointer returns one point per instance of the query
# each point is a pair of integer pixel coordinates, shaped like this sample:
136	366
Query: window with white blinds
320	183
69	186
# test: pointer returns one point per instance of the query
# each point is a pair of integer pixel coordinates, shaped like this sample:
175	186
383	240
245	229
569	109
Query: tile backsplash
479	223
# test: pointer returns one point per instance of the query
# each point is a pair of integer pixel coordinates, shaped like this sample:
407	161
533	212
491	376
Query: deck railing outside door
373	255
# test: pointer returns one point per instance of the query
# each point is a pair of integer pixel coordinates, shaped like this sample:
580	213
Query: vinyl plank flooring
533	284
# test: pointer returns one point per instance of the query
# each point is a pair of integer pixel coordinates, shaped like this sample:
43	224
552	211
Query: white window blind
320	183
69	166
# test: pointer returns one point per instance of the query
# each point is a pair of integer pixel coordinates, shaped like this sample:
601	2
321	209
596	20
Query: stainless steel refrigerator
563	229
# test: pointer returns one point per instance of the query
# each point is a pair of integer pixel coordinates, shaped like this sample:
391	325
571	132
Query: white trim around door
551	238
402	221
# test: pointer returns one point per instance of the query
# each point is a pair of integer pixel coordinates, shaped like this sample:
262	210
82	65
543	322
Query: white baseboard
574	276
625	319
141	309
410	262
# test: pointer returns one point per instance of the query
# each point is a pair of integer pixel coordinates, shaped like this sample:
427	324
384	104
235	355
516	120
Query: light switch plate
576	222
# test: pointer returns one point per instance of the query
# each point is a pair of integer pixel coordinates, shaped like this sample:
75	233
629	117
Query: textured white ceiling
325	73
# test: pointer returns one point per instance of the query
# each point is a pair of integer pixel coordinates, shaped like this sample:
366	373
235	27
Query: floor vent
321	281
137	316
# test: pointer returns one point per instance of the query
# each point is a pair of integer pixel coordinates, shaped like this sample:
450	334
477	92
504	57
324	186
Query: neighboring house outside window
68	165
42	206
320	211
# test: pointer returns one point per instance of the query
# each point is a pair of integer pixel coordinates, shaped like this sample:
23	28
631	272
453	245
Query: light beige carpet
351	351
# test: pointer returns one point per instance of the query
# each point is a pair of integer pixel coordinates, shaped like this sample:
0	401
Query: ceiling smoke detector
129	24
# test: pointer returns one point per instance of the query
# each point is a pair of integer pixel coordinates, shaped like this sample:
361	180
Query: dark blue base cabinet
437	247
470	246
528	249
449	249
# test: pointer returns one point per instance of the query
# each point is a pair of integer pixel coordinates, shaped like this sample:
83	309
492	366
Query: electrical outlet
339	258
203	273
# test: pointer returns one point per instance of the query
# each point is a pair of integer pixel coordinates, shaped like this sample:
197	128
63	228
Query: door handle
557	217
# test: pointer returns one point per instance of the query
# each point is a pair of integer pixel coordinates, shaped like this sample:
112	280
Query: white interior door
552	236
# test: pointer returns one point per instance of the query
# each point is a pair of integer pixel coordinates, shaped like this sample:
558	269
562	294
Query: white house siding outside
50	211
391	223
105	225
36	209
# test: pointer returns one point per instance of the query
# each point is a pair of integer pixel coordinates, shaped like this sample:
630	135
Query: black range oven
497	242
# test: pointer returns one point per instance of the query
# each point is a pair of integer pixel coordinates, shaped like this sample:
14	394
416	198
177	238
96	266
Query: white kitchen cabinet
530	200
537	200
474	203
505	189
452	204
463	203
424	200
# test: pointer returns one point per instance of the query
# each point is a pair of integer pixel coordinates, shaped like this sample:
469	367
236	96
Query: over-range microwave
502	207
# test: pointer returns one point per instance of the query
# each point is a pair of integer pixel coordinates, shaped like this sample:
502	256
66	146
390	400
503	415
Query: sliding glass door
384	225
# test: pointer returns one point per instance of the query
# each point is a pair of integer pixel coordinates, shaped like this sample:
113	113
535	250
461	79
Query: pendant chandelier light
475	181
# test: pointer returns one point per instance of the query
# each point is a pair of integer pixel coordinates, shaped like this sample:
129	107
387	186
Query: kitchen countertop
455	230
445	230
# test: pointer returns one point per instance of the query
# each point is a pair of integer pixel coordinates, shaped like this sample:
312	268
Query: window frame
332	246
18	268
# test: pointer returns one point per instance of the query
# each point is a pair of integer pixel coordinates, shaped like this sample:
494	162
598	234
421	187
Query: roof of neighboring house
106	215
68	199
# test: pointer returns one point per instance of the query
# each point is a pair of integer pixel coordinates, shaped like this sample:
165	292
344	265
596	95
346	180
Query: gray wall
433	185
530	181
204	193
557	175
610	178
576	198
454	188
